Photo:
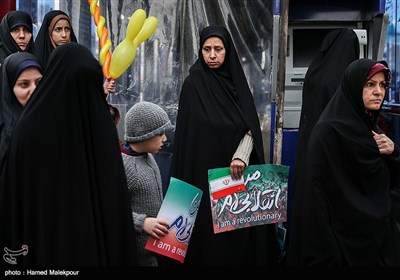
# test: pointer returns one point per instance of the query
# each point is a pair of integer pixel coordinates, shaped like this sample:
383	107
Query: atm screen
306	43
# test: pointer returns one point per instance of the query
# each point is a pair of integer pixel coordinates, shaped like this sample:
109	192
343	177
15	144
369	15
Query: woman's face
213	52
26	84
61	33
374	92
21	36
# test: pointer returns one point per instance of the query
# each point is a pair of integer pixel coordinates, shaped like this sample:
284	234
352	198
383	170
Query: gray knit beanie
144	121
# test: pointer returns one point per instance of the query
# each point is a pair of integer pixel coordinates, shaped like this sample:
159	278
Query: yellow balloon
122	57
125	52
135	24
93	5
149	26
104	51
100	25
139	29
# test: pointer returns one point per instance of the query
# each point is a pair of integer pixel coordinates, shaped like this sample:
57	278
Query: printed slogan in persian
261	200
179	209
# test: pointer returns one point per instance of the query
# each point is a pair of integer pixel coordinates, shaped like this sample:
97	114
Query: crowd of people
62	176
73	194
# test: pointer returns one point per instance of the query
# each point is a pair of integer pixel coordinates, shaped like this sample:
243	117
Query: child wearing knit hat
145	127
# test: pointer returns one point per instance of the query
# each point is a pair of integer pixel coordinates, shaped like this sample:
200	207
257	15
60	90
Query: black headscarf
216	109
7	42
339	48
66	196
43	42
10	108
351	194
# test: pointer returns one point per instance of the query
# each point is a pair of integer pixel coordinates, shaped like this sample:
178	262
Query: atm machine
309	22
303	43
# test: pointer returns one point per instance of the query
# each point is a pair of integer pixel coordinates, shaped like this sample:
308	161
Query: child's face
155	144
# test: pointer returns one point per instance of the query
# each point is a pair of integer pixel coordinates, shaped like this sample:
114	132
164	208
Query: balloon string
102	33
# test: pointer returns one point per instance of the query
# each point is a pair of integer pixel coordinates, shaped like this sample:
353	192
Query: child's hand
109	86
155	228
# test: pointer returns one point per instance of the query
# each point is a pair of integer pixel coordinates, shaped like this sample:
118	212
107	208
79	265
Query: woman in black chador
217	126
56	30
66	196
339	48
20	73
351	213
15	34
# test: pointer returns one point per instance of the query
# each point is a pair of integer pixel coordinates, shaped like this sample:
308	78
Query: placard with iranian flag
179	209
259	197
